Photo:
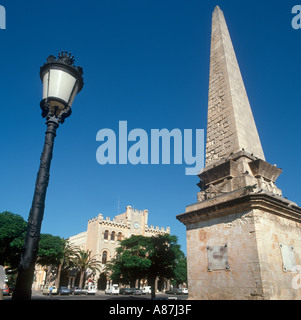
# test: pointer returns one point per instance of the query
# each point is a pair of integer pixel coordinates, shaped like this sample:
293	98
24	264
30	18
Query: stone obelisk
243	237
231	125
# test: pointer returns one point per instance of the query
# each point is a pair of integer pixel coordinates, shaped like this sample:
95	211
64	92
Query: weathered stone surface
253	227
236	229
234	156
240	171
231	125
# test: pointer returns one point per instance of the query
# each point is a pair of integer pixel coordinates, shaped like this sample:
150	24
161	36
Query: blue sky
146	62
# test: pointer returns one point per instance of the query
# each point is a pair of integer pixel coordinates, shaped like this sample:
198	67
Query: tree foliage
83	260
180	270
137	257
12	235
147	257
51	249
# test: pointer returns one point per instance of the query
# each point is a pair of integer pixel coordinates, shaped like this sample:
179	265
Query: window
104	257
106	235
113	236
119	236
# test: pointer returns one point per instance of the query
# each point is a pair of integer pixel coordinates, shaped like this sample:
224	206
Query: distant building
102	238
103	234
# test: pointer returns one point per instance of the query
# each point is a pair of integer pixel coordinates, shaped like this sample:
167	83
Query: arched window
106	235
113	236
119	236
104	257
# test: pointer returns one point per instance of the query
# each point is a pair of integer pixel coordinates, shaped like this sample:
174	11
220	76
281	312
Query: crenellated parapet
156	230
104	234
115	223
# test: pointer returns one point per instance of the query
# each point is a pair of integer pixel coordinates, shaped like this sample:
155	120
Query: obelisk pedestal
243	237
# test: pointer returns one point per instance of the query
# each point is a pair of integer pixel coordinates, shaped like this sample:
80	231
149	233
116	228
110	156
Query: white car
147	290
90	289
184	291
112	289
46	289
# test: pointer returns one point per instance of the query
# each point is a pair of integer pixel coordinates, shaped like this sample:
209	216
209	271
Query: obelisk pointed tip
228	104
217	8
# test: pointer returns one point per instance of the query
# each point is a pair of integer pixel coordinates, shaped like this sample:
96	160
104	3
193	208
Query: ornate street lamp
61	82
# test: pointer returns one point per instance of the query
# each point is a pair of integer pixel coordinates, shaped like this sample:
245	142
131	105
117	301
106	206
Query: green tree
164	252
180	270
51	253
69	252
146	257
83	260
50	250
12	235
131	261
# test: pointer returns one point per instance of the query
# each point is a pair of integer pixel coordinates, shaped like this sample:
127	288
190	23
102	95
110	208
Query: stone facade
102	238
234	155
103	234
252	227
228	104
243	237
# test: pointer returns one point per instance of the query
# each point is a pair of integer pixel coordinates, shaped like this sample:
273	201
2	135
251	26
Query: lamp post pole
29	253
55	110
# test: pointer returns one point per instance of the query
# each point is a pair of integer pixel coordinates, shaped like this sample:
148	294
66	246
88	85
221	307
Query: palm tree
83	261
68	254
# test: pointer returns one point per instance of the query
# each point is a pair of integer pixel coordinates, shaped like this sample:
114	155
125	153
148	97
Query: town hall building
102	238
103	234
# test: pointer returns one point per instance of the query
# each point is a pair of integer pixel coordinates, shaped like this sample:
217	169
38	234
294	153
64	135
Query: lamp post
61	82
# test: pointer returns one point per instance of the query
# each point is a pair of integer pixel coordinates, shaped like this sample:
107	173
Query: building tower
243	237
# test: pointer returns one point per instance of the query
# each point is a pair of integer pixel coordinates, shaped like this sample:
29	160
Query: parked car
125	291
130	291
89	289
136	291
183	291
46	289
63	290
6	290
11	288
76	290
112	289
172	291
147	290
